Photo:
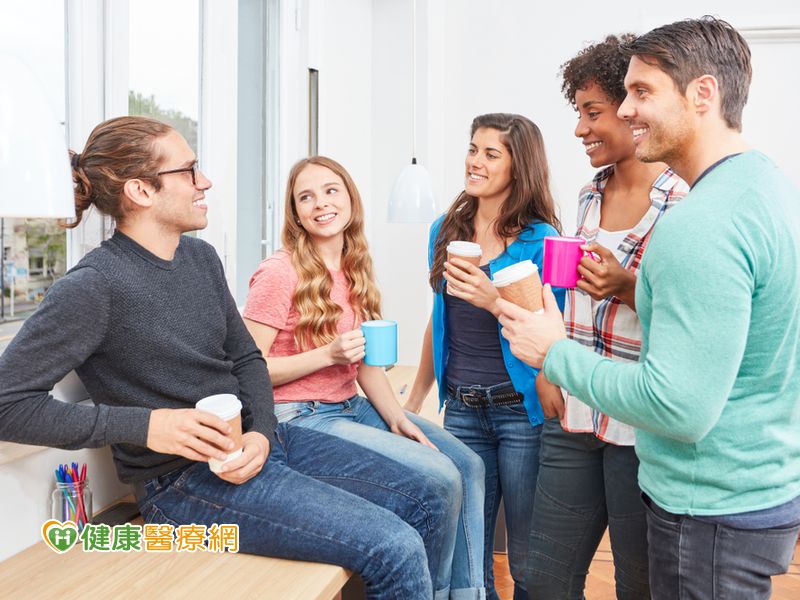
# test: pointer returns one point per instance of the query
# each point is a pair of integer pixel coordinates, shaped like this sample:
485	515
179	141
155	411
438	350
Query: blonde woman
304	309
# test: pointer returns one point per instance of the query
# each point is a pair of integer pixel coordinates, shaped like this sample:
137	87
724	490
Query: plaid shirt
610	327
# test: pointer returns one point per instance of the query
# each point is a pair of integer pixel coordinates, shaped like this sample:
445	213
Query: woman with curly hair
489	395
588	469
304	310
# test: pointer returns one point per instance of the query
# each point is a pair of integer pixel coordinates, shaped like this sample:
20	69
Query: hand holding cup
189	433
605	276
465	251
227	408
465	280
530	335
347	348
255	450
520	284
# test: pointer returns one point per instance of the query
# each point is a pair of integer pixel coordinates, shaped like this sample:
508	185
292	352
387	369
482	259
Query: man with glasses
192	169
147	322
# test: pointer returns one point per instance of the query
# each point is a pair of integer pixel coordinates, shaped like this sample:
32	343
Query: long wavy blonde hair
312	296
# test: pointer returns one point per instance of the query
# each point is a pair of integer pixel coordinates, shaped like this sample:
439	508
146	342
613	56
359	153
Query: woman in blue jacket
489	395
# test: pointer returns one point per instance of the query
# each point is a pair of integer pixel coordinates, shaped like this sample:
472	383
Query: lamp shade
411	199
35	178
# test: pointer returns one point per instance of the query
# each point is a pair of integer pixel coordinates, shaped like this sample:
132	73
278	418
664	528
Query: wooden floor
600	582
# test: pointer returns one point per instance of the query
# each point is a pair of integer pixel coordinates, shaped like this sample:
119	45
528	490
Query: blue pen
62	479
70	491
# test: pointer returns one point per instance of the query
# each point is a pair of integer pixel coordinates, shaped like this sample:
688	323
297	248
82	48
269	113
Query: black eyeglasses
192	170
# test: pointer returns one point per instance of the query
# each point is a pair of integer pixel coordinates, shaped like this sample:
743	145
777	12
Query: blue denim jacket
528	246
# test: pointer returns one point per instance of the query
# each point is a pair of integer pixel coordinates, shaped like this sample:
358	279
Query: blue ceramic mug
380	343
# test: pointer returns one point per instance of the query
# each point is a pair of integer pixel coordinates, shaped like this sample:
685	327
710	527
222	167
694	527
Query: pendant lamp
411	199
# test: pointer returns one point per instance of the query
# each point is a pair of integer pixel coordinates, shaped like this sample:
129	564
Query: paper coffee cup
228	408
521	285
468	251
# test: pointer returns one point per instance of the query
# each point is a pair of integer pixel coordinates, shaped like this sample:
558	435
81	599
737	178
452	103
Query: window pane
164	67
34	251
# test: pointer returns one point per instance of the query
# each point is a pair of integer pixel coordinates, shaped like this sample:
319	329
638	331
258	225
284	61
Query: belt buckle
470	399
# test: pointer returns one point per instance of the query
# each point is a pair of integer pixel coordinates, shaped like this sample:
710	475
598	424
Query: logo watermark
61	536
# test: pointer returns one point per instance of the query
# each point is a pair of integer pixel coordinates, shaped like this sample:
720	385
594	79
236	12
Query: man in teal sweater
715	397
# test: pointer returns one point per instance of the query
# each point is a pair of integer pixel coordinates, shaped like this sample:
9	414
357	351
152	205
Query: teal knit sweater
715	397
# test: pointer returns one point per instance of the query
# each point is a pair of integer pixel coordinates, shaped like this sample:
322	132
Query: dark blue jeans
319	498
584	485
698	560
509	446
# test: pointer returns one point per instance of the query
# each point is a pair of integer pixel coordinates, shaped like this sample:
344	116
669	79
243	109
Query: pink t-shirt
270	303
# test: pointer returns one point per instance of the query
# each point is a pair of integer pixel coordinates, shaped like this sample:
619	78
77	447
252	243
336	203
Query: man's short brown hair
686	50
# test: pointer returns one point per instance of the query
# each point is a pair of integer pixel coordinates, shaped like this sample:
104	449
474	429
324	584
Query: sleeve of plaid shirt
695	312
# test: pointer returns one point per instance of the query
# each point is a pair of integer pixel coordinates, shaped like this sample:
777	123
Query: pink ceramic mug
561	258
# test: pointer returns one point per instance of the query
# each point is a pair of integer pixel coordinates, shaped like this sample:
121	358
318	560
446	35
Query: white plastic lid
515	272
464	248
225	406
378	323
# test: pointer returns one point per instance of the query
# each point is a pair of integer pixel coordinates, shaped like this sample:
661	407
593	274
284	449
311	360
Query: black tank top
475	356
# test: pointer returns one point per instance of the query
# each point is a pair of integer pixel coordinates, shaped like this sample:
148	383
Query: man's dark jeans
692	559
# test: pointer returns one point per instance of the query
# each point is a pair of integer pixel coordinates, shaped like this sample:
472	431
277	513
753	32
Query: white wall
341	48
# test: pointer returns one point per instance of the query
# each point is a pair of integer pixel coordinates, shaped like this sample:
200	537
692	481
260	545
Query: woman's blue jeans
509	446
319	498
584	485
458	571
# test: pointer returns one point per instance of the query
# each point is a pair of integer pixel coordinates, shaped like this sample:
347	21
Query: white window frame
97	79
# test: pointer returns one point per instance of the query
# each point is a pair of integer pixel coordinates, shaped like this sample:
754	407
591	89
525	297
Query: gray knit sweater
142	333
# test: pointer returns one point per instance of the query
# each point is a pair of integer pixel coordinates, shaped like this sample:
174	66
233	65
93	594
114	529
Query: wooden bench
40	573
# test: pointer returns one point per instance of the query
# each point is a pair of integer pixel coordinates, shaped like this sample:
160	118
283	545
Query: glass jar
72	502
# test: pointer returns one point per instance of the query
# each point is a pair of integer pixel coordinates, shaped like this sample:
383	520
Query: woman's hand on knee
255	451
408	429
347	349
